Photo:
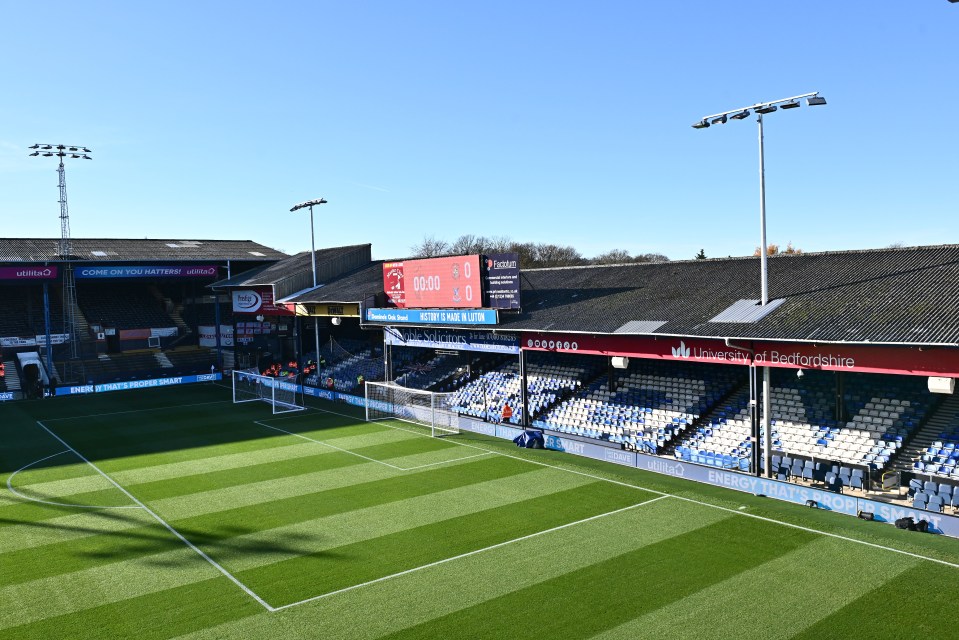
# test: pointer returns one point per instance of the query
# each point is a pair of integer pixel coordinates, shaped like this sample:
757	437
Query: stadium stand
648	405
549	380
122	306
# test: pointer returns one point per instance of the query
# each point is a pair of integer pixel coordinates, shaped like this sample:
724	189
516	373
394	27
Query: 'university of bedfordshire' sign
432	316
941	361
450	339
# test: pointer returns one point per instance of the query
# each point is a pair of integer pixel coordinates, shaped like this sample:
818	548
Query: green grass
360	530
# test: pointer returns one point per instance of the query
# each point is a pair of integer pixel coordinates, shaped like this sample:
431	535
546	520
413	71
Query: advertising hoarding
30	272
258	300
792	355
145	271
501	280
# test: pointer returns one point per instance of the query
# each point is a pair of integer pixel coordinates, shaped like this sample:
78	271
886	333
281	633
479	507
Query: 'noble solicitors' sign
828	357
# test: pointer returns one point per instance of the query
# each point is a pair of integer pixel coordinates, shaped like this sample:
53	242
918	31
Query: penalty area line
468	554
163	522
360	455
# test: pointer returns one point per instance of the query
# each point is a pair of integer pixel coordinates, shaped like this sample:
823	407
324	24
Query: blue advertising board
939	523
6	395
145	271
464	317
136	384
461	340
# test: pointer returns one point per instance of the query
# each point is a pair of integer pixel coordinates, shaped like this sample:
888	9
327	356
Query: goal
250	387
390	401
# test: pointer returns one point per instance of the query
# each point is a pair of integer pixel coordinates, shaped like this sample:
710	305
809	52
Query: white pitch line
360	455
467	554
331	446
51	502
434	464
691	500
163	522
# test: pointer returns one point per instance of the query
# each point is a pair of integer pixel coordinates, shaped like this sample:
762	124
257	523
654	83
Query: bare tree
430	247
616	256
552	255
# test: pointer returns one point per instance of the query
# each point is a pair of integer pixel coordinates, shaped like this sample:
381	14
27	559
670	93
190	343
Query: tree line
532	255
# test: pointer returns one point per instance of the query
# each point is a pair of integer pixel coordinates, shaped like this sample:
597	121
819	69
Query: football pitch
173	513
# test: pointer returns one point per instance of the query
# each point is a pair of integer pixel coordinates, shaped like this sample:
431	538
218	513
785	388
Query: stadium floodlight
741	113
65	252
297	207
702	124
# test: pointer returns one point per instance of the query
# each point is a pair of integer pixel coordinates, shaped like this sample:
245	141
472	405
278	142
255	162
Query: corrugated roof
898	296
129	250
295	274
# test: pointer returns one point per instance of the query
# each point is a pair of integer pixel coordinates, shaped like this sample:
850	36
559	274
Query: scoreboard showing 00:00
443	282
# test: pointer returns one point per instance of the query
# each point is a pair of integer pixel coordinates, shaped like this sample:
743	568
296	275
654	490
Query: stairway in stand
939	422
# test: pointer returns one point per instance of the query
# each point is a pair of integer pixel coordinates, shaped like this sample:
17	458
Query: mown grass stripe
351	527
259	493
339	567
100	584
214	462
277	513
188	485
797	589
590	600
26	511
917	603
154	616
24	565
25	534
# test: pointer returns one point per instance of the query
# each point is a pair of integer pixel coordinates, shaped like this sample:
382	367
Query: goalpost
427	408
251	387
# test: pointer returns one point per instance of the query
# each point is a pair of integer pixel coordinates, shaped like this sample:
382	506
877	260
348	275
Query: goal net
250	387
385	401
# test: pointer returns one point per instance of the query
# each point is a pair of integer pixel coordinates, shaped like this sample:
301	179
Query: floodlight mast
65	250
761	108
297	207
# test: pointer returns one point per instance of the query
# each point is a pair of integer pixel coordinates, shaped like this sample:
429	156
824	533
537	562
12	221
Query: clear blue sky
561	122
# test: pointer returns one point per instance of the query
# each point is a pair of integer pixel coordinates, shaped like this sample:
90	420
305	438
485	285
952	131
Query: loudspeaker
941	385
866	515
619	362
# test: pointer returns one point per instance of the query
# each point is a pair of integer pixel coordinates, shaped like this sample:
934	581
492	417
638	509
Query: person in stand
507	412
330	383
359	380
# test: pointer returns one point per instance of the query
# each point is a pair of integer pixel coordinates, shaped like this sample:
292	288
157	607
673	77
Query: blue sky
561	122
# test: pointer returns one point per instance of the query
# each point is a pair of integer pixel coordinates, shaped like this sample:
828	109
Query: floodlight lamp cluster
61	150
762	108
308	203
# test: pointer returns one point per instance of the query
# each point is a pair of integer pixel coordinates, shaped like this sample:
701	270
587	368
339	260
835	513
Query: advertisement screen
448	283
502	280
